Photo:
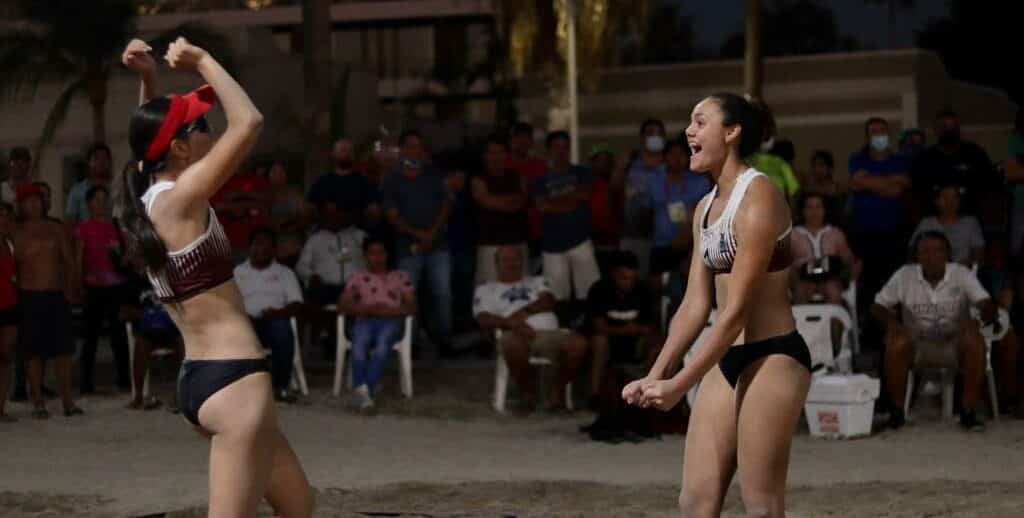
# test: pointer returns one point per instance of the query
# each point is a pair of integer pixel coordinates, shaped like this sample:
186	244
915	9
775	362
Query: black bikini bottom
200	379
740	357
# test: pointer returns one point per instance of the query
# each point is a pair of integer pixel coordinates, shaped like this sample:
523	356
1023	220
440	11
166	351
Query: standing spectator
964	232
1015	177
821	177
417	203
378	298
347	188
878	180
20	167
288	214
785	150
954	161
8	306
99	254
638	227
820	254
271	295
99	161
501	200
935	326
523	309
606	204
563	196
48	282
331	255
674	194
529	168
242	205
912	143
622	321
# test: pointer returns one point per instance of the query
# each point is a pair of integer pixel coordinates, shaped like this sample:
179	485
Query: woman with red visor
224	386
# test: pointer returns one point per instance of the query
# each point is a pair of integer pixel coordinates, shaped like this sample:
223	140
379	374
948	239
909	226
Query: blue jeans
438	268
276	334
372	339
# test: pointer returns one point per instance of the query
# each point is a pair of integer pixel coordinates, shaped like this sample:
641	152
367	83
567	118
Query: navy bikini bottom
200	379
739	357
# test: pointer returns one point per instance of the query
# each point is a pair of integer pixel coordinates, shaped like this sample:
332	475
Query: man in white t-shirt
272	296
523	309
934	326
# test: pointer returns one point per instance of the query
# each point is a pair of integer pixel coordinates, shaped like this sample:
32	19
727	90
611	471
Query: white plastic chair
155	353
814	323
501	376
403	347
850	298
298	369
691	395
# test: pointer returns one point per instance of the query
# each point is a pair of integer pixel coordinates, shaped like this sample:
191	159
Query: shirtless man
48	281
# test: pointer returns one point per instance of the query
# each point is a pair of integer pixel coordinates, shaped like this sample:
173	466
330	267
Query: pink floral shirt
365	289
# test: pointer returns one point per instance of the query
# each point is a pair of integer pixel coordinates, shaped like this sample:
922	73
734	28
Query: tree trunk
316	67
753	67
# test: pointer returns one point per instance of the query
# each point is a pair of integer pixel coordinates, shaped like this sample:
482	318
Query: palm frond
202	35
27	58
58	113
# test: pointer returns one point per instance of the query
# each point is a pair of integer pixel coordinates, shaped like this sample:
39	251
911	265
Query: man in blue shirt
417	204
562	195
637	231
674	194
878	227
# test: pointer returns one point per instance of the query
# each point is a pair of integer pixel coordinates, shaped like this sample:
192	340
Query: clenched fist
136	57
182	55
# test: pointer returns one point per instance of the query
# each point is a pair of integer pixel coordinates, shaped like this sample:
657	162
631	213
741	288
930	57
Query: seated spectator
622	321
98	251
674	193
272	296
935	327
288	215
964	232
501	209
562	195
378	299
152	329
606	204
347	187
417	202
820	255
996	277
331	255
8	306
523	309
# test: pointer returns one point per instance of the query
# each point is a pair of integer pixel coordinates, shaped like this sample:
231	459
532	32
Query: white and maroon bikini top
718	241
204	264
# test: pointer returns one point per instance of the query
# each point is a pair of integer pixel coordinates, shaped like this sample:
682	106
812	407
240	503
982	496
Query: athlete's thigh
288	490
772	393
241	419
710	458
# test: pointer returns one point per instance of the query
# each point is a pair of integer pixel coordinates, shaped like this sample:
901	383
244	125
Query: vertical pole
752	70
571	82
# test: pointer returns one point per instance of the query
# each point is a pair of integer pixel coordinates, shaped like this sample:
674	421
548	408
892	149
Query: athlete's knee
698	502
760	503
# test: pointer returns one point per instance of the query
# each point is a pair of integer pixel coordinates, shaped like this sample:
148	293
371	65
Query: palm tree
77	45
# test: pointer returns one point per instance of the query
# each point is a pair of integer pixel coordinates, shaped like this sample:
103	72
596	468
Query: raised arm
200	181
136	57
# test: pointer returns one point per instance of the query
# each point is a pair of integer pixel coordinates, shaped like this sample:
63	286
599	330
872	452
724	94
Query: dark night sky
867	22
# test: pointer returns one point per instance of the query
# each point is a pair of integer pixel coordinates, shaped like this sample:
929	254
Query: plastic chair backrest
814	323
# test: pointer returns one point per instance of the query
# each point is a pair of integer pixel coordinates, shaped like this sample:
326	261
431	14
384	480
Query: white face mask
768	144
880	142
655	143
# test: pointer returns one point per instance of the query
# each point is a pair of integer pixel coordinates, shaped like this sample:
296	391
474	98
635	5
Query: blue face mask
880	142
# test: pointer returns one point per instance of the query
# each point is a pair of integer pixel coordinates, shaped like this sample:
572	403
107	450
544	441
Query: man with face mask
638	218
954	161
347	187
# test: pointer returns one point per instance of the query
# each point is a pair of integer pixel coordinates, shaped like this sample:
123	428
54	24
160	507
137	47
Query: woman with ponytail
224	387
754	369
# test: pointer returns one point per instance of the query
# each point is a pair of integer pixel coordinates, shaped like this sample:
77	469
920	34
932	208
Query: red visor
184	109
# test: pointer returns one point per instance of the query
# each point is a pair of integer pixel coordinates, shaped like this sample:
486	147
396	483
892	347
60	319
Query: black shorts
45	330
665	259
739	357
10	316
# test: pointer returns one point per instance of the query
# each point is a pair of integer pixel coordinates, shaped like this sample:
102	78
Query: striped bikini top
204	264
718	241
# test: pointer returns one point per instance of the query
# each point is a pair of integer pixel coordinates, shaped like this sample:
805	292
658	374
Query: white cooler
841	407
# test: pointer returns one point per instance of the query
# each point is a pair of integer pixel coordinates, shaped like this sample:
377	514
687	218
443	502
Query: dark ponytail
141	235
752	117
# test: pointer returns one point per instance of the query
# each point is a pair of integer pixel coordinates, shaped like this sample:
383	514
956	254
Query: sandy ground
446	454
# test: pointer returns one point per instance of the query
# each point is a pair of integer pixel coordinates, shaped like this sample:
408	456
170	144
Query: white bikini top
718	241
